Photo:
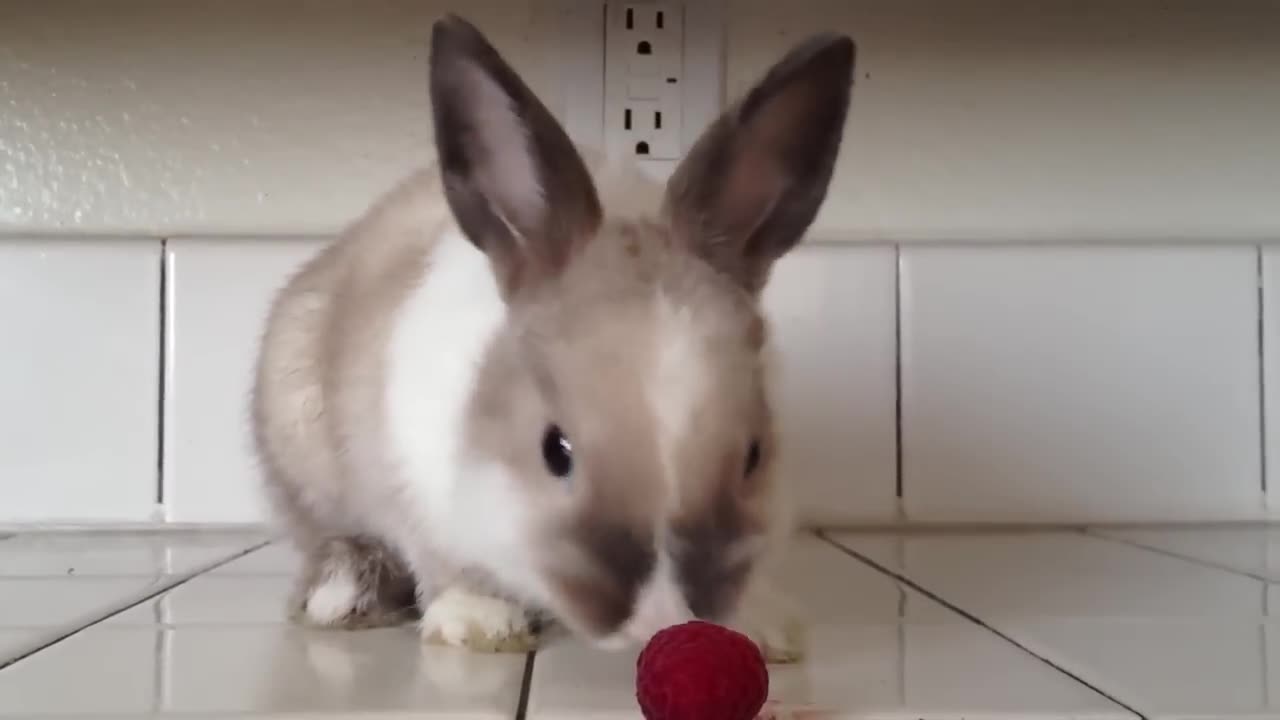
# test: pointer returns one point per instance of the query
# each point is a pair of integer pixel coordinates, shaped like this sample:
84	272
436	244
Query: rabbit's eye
753	457
557	453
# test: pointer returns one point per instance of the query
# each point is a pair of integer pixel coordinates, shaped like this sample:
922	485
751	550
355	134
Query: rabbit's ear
513	179
754	181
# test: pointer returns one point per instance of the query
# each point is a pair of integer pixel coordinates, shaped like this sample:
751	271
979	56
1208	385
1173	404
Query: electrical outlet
644	79
674	86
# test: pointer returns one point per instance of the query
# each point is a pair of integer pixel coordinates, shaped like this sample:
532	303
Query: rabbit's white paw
463	618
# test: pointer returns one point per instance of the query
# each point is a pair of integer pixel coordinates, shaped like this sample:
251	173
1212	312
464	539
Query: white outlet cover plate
643	93
581	59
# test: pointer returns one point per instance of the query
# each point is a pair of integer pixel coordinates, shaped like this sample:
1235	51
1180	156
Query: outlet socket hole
642	148
626	119
644	48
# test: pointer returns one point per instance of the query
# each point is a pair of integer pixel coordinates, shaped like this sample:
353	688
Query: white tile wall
1074	382
1121	385
833	313
219	291
79	370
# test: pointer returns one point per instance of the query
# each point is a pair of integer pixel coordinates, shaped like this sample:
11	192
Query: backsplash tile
219	291
832	312
79	370
1103	383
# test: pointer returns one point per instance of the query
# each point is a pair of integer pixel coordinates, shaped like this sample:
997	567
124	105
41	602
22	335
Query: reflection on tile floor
1252	551
52	584
118	554
1169	637
1104	623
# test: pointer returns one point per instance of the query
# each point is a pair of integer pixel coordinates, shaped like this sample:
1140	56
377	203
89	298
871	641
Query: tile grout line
150	593
897	371
1262	370
1262	657
164	370
902	646
160	671
1175	555
901	578
526	686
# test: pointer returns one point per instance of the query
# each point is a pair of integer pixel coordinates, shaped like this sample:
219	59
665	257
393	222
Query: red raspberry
701	671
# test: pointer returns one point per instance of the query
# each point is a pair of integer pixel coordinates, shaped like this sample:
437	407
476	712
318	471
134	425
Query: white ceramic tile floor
1063	574
877	651
52	584
1167	636
1252	551
1104	624
117	554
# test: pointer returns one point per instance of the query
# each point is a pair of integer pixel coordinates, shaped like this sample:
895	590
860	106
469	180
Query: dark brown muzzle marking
704	541
623	560
710	579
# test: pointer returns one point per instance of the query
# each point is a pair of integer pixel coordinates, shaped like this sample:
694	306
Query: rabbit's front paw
462	618
781	642
769	620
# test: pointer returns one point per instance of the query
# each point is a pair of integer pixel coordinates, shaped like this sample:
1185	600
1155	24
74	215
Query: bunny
515	392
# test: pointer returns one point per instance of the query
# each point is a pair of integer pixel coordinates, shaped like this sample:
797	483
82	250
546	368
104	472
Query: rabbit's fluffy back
319	402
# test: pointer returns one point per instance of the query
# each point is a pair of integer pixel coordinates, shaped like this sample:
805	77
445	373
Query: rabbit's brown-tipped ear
513	179
754	181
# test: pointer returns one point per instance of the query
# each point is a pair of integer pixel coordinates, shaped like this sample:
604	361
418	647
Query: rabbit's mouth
660	603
